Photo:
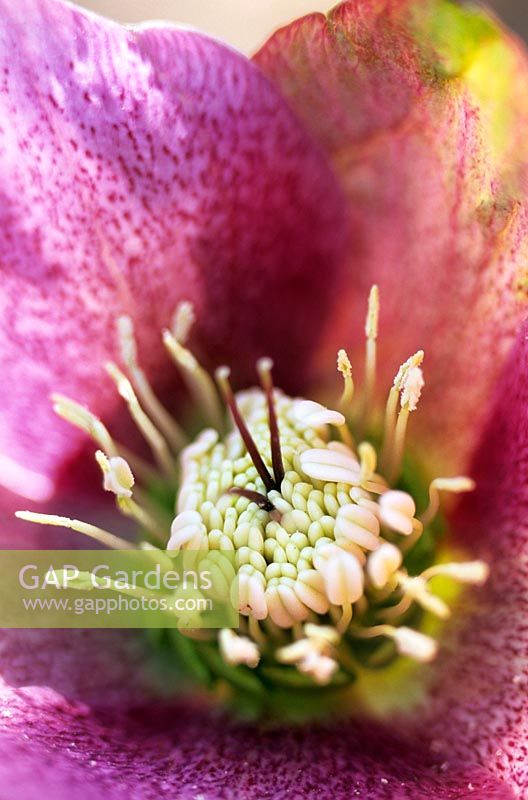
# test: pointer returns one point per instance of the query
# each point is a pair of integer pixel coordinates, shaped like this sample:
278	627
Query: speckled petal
480	707
137	168
183	752
422	106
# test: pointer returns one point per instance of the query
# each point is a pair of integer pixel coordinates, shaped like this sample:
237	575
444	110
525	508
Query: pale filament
152	435
159	414
455	485
101	535
371	335
198	381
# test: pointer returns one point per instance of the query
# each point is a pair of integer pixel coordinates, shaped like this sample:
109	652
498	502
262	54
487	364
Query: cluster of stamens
320	529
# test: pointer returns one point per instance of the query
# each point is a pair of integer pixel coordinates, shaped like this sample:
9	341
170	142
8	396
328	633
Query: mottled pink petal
183	753
480	706
138	168
423	109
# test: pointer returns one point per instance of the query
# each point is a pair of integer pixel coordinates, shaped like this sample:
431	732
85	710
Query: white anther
323	635
342	574
250	599
278	612
413	383
296	651
187	530
383	563
414	644
309	414
416	589
200	446
357	525
293	605
345	368
371	322
455	485
117	475
331	465
475	572
312	654
414	361
396	510
309	588
182	321
321	668
237	649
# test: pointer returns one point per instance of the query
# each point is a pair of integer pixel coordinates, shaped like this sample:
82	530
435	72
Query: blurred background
247	23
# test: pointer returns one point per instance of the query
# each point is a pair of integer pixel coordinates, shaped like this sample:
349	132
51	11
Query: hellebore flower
151	170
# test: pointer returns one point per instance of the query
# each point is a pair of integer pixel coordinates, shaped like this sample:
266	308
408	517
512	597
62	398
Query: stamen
383	563
187	531
146	426
414	644
410	394
309	414
342	574
345	368
249	596
237	649
371	333
408	642
416	589
475	572
167	424
312	655
118	478
182	321
264	367
331	465
358	525
397	510
197	379
222	377
117	475
392	408
455	485
82	418
99	534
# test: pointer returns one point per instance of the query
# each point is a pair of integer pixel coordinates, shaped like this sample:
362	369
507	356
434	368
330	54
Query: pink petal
139	168
438	208
480	705
182	752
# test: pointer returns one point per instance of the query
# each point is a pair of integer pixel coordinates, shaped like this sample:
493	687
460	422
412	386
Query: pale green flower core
327	538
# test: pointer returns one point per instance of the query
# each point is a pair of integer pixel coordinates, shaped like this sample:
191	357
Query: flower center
324	535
